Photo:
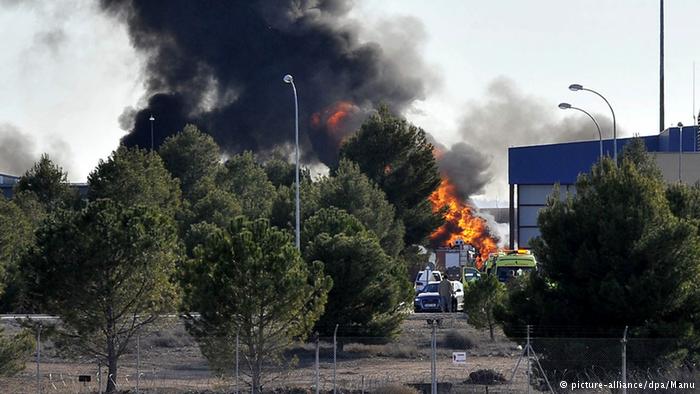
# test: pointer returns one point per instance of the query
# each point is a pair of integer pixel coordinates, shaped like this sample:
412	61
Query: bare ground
172	363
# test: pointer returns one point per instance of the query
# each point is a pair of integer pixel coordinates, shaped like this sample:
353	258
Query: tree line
182	230
623	251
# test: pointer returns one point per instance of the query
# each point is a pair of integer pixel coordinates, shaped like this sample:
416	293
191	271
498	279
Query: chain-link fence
446	355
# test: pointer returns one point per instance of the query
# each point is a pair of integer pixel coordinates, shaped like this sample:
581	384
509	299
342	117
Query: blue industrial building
7	182
534	170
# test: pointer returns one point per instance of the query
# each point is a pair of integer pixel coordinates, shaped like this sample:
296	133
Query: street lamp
680	150
151	119
576	87
290	80
600	135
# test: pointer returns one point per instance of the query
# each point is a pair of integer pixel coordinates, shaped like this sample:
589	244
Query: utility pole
697	137
680	151
661	69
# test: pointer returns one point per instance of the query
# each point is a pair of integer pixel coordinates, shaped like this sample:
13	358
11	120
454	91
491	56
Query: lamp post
680	150
290	80
600	135
576	87
151	119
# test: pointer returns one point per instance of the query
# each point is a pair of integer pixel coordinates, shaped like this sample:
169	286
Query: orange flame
461	222
334	116
340	111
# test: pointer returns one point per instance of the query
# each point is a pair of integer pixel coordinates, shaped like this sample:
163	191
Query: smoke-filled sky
78	76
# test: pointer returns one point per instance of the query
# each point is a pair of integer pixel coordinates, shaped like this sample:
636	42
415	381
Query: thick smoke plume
466	166
220	64
502	118
16	150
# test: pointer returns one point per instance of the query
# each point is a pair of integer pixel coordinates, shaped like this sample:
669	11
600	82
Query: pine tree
250	280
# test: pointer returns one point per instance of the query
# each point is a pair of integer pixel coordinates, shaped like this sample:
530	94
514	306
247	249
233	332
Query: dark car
428	300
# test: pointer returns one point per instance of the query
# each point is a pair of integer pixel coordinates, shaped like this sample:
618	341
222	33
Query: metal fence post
433	345
237	346
316	377
138	362
624	361
335	350
528	359
38	358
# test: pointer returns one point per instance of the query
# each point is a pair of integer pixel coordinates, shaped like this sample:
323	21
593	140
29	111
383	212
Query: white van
420	281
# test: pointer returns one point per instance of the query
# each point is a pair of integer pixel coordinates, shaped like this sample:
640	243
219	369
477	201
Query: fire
340	111
461	222
334	117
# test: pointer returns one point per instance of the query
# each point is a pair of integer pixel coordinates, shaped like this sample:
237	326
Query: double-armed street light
576	87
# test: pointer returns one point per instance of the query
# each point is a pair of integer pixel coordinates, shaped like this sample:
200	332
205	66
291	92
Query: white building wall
532	198
669	164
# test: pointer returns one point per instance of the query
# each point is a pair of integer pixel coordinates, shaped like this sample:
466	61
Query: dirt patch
170	362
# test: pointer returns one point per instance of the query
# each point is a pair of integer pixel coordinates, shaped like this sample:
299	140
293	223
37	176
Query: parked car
421	281
429	299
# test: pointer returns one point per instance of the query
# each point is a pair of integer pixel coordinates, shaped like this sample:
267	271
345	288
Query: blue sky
60	59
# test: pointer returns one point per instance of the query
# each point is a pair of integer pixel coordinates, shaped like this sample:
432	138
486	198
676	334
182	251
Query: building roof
563	162
6	179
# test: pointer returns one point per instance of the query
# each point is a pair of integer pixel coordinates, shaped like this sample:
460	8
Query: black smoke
466	167
16	150
219	64
503	117
19	151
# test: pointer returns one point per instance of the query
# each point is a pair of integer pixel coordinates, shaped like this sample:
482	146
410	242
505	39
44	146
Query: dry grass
391	350
172	363
396	389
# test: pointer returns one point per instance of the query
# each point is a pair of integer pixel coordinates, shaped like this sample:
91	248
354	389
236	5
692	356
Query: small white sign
459	357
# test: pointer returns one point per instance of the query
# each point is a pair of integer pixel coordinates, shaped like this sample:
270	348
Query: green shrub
486	376
14	352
